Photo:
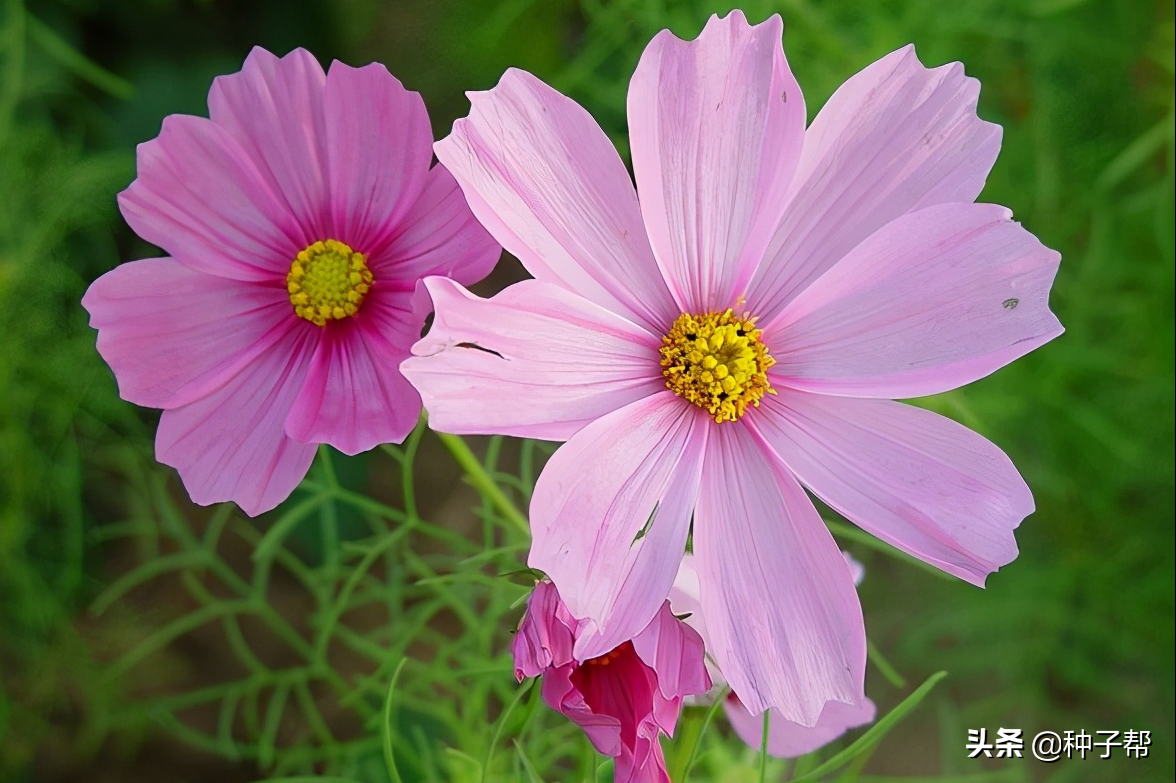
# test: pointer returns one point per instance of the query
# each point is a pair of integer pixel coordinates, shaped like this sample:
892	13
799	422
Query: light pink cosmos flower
298	218
786	738
622	698
737	331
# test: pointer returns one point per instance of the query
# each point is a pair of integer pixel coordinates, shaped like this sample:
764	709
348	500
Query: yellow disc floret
717	362
328	281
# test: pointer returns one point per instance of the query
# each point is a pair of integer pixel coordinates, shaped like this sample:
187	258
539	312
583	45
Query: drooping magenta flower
622	698
298	219
738	330
786	738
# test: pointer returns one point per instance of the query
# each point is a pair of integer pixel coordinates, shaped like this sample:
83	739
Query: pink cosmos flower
298	219
622	698
786	738
737	331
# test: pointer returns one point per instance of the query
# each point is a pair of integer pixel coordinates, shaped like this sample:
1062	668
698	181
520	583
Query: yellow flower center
717	362
328	281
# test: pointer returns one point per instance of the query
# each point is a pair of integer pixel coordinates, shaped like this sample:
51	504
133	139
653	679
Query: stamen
717	362
328	282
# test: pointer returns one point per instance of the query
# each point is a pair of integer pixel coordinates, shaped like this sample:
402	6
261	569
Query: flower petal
354	397
610	514
674	651
921	482
379	147
544	640
230	445
934	300
200	197
274	109
717	126
533	361
895	138
787	739
548	184
782	616
438	236
173	335
603	731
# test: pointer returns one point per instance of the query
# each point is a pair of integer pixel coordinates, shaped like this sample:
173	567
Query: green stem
481	480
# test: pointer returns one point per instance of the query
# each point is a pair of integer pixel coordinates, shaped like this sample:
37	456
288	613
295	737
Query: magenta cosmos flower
298	219
737	331
786	738
622	698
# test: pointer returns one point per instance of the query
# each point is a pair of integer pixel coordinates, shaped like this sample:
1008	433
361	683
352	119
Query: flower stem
481	480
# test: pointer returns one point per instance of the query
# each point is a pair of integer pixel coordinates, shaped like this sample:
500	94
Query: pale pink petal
610	514
230	445
534	361
787	739
782	616
354	397
675	651
921	482
716	126
379	146
274	108
934	300
200	197
543	178
895	138
173	335
438	236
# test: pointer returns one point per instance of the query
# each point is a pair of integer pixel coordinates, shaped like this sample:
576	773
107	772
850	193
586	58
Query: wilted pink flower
786	738
622	698
738	331
298	220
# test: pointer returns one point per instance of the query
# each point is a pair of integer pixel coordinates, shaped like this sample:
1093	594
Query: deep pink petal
543	640
782	616
603	731
379	146
921	482
610	514
274	109
231	445
934	300
789	740
173	335
201	198
548	184
354	397
621	686
674	651
895	138
716	126
533	361
645	764
438	236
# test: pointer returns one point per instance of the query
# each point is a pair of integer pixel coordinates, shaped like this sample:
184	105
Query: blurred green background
1075	634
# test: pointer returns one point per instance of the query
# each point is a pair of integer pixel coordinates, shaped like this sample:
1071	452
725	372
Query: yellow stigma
717	362
328	281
